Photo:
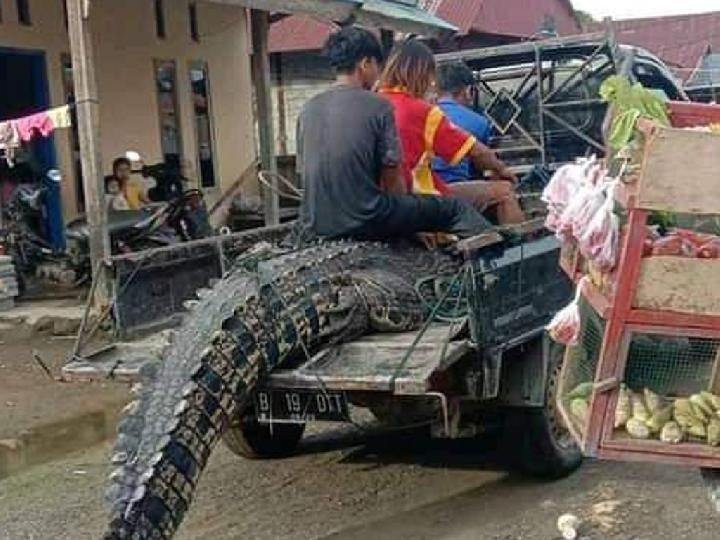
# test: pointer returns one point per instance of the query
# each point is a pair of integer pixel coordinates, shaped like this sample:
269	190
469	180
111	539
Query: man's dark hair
348	47
454	77
120	161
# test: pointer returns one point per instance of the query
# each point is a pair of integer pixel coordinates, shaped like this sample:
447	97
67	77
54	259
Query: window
170	136
23	10
69	95
194	29
160	19
200	93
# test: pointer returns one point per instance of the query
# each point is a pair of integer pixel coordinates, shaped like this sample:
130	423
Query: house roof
399	15
299	33
681	41
517	18
707	74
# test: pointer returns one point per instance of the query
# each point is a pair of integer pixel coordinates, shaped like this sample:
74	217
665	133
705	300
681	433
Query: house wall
297	78
126	45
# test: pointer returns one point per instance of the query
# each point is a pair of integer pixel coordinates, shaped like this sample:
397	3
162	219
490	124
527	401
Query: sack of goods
8	283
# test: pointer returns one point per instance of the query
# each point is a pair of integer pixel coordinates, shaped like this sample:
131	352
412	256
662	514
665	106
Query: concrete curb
50	441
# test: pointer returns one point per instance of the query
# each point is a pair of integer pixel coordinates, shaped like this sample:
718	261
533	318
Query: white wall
302	76
126	44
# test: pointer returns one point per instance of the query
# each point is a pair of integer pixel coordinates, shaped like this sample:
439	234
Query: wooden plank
680	172
88	120
623	454
679	284
372	363
673	319
260	66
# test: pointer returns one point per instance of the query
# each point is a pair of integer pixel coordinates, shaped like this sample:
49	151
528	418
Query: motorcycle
176	215
24	238
181	218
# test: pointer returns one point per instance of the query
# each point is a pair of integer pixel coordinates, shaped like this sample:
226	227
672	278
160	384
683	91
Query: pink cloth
27	126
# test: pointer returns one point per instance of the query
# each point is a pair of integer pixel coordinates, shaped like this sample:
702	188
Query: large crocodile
250	322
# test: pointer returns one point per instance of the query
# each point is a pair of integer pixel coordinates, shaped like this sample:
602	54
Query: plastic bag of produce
565	326
585	213
566	185
568	179
600	238
674	245
565	229
710	250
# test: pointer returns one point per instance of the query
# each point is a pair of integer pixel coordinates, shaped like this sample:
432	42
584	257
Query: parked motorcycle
24	238
176	215
182	218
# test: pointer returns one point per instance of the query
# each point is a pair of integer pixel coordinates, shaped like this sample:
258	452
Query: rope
295	194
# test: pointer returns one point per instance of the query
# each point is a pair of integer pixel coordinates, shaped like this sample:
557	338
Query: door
24	90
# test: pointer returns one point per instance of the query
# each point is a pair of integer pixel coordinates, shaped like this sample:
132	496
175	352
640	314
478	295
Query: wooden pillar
88	119
260	23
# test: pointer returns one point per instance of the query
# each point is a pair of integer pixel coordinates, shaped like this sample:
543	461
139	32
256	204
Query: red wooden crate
636	308
686	114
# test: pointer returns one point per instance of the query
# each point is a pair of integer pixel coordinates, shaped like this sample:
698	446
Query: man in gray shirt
349	157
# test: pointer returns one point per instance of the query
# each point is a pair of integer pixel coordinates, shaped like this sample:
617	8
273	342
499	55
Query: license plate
300	406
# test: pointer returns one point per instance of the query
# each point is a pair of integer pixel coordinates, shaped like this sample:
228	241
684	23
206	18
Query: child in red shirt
425	132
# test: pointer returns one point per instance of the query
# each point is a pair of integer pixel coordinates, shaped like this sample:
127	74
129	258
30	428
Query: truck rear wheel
254	440
537	438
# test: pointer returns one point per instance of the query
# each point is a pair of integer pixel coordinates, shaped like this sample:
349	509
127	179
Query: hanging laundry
60	117
9	141
28	125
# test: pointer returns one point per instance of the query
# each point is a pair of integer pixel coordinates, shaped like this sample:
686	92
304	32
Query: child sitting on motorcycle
114	195
135	192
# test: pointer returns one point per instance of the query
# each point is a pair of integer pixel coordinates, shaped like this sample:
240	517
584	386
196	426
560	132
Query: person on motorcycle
134	191
350	159
425	132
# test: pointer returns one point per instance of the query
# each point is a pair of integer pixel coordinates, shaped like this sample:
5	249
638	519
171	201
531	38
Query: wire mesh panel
579	369
670	393
670	365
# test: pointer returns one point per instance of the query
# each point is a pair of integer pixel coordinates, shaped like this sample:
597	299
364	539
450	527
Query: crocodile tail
167	436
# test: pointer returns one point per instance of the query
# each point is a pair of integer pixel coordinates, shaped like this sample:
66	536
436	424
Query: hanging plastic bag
565	326
600	237
564	227
565	186
565	183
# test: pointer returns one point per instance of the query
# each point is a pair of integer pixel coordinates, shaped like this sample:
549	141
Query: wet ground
345	486
30	396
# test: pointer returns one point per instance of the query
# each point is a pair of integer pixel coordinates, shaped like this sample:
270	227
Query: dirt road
344	487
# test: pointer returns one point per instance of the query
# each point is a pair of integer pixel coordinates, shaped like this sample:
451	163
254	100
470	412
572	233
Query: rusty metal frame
548	105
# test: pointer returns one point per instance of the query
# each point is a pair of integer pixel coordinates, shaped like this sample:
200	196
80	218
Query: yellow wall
126	44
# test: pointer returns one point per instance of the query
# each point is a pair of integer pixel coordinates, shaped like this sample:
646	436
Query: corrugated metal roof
707	74
517	18
680	41
299	33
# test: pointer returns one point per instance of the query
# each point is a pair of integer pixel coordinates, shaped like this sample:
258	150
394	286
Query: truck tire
537	439
254	440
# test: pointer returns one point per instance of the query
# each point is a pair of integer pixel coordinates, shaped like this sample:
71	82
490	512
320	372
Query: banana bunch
649	415
699	416
642	415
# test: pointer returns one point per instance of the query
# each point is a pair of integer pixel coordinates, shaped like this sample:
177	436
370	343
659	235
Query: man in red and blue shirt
455	82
